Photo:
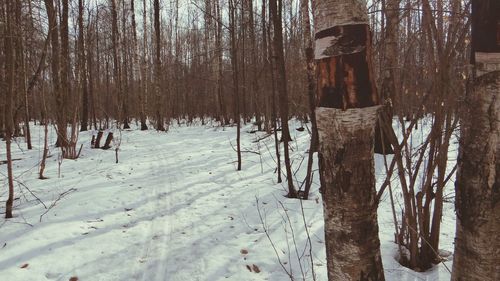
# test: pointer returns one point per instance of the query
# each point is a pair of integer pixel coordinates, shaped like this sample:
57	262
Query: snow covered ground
173	208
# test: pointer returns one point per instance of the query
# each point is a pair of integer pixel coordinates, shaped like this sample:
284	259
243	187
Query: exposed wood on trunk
346	120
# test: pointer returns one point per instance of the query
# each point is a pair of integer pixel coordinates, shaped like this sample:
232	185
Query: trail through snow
173	209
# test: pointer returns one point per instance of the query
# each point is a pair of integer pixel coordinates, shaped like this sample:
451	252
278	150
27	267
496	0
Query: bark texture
477	189
346	120
351	229
477	244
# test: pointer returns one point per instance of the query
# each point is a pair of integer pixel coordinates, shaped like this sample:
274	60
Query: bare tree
234	65
158	66
83	68
275	13
9	34
311	87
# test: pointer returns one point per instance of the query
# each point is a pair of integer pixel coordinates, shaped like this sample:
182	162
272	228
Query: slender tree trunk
135	64
83	68
124	74
159	115
61	99
477	188
390	71
275	13
21	70
144	93
9	77
274	112
117	79
311	87
220	74
234	64
346	119
45	150
254	86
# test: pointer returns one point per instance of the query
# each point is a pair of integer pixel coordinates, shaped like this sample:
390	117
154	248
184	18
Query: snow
174	208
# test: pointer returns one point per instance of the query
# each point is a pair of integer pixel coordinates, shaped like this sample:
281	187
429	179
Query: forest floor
174	208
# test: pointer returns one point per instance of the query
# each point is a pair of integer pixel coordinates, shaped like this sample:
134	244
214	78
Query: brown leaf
249	268
244	251
256	269
24	265
74	278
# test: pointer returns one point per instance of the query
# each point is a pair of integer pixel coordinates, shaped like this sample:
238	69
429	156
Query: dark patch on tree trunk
485	26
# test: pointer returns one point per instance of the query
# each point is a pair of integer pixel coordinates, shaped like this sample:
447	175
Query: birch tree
477	199
346	119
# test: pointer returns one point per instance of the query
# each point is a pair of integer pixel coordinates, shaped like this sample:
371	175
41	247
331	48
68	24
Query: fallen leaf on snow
244	251
24	265
255	268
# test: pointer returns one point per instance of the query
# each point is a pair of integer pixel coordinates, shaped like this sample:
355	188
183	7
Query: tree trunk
117	79
9	34
159	116
279	60
477	199
83	68
107	143
390	63
61	100
220	74
347	167
346	119
311	86
143	92
234	64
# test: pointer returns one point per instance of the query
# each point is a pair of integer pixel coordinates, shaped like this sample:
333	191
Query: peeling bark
346	121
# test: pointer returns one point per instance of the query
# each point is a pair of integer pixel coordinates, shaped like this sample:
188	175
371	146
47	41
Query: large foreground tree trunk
348	180
477	200
346	119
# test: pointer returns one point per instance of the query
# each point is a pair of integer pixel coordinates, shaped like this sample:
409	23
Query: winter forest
205	140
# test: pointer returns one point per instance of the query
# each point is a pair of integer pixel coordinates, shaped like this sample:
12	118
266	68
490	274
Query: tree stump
97	143
107	144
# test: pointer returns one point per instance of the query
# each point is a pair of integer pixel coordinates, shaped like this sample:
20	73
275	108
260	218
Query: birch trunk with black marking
477	203
346	117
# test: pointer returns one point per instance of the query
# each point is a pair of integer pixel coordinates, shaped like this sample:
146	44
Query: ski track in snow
174	208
